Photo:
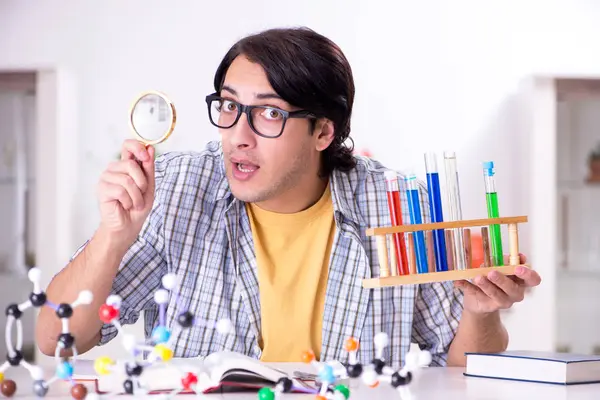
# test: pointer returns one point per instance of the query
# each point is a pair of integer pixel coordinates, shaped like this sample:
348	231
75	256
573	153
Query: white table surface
432	383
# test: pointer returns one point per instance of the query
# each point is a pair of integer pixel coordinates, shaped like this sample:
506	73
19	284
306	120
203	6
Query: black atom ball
378	364
398	380
354	370
13	310
15	359
66	340
185	319
64	311
38	299
134	370
128	386
286	384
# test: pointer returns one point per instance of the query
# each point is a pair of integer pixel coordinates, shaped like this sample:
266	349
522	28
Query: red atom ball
108	313
8	387
188	380
79	391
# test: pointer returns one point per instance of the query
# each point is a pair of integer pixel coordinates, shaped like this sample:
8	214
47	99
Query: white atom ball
381	340
424	358
412	360
224	326
92	396
169	281
114	300
34	275
129	342
369	377
161	296
85	297
37	374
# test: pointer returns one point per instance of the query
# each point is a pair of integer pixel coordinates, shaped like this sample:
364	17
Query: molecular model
372	374
157	350
66	341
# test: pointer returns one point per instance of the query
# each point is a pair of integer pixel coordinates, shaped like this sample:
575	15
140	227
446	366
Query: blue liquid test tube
435	209
414	209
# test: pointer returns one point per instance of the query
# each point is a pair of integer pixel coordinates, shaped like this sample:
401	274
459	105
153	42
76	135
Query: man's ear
324	133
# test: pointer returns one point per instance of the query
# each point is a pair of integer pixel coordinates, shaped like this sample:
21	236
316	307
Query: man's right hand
126	192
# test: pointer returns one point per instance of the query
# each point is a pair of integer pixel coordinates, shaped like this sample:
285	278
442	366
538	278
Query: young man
267	228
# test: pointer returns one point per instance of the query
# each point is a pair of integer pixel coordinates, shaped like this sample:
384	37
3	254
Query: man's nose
242	136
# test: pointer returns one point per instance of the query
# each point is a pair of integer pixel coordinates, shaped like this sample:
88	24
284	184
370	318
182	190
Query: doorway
18	195
578	214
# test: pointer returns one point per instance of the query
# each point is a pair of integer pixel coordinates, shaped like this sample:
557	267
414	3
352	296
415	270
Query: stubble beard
276	185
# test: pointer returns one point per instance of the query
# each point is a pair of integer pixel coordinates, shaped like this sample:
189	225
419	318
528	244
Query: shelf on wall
12	181
579	273
577	184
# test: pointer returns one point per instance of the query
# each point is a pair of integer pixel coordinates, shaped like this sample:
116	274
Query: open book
219	372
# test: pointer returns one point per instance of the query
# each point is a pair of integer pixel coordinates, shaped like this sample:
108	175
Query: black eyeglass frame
246	109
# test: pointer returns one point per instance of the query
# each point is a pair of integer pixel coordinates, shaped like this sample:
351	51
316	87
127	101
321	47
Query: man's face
258	168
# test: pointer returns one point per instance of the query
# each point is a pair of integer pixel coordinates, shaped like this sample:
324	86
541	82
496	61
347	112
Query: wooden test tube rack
387	270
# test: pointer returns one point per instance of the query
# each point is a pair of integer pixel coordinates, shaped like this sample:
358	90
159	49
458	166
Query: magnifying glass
152	118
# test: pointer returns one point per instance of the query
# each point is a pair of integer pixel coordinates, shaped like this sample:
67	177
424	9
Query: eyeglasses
265	121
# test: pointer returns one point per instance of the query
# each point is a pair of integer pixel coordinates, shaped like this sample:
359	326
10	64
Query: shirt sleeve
138	278
438	309
140	274
141	269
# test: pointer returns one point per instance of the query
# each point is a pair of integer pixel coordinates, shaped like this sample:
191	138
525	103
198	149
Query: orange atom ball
308	357
351	344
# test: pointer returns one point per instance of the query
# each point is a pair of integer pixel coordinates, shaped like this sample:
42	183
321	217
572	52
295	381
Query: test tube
491	197
393	197
454	206
435	209
414	209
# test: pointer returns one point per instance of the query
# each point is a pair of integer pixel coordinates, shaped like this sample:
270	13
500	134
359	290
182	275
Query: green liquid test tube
491	197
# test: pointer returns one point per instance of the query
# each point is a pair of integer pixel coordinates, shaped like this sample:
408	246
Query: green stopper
343	389
266	394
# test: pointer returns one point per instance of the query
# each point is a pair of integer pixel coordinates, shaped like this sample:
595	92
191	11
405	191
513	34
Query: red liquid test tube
393	197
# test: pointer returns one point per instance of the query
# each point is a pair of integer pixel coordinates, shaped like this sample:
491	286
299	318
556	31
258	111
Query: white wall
430	75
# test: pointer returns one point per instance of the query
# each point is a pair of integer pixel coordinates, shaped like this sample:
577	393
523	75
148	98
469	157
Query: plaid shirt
200	232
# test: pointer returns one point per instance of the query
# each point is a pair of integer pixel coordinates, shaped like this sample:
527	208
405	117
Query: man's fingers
507	285
148	167
492	291
133	169
129	185
134	150
108	192
529	276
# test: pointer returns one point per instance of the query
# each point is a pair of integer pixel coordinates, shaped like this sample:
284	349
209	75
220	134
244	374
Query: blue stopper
160	334
64	370
488	168
326	374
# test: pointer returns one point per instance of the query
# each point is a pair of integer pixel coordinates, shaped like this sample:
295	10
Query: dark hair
308	71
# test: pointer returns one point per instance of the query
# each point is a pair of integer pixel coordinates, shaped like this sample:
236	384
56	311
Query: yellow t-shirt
292	254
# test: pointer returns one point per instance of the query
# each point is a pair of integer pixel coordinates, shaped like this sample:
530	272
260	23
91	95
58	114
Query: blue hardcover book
535	366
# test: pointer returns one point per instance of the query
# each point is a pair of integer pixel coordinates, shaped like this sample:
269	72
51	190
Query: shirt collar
223	190
344	186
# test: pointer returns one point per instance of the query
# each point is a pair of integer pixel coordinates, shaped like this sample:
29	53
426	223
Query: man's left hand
497	291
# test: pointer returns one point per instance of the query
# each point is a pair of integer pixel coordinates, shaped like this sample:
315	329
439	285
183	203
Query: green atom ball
266	394
343	389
